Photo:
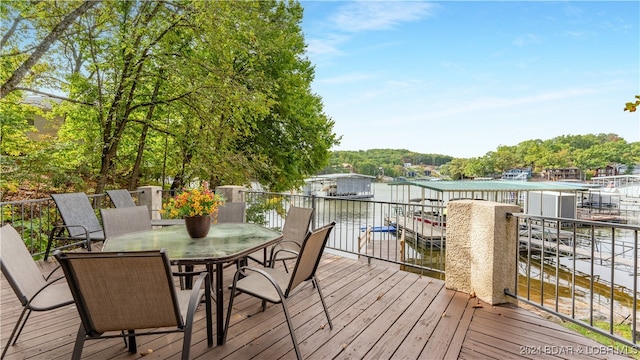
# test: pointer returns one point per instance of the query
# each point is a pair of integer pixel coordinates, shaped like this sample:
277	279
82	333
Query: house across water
342	186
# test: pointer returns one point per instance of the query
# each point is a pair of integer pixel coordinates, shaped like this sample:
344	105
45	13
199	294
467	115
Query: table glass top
224	241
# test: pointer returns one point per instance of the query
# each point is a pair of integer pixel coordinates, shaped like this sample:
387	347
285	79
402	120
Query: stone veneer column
481	248
152	197
232	193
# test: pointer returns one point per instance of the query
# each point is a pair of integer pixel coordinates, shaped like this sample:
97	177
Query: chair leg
208	311
232	295
51	236
88	243
15	333
324	305
24	322
291	330
133	347
124	337
77	348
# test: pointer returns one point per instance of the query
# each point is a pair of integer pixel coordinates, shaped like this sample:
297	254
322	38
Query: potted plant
198	206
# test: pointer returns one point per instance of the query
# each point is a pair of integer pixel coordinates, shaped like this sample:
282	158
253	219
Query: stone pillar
152	197
232	193
481	249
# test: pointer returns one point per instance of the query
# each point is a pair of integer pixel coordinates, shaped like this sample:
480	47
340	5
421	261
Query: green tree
36	11
189	90
455	169
632	106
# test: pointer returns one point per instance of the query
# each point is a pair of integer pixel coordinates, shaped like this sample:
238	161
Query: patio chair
121	198
232	212
296	227
80	222
35	292
124	220
276	286
129	291
120	221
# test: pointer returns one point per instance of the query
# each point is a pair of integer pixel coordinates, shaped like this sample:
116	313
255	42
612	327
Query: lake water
602	288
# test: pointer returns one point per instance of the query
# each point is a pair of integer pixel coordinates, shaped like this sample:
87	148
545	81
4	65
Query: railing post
481	241
315	211
232	193
152	197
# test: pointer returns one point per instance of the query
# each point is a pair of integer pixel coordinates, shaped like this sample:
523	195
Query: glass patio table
225	243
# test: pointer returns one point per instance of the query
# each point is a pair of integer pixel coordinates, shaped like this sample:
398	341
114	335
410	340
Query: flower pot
197	226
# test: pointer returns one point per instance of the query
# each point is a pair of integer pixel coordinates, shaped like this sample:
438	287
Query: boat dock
422	231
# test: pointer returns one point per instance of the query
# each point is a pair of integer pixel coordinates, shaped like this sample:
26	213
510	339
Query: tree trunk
15	78
133	181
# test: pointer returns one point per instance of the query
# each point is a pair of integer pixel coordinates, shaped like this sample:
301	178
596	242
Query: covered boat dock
544	198
340	185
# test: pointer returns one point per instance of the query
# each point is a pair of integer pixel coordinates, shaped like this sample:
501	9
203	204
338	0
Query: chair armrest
42	289
194	301
275	254
203	278
265	274
52	272
86	233
279	243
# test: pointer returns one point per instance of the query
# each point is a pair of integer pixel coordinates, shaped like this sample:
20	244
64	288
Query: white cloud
527	39
321	47
377	15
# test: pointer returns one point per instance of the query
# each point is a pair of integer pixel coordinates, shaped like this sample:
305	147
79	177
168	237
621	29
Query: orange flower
193	202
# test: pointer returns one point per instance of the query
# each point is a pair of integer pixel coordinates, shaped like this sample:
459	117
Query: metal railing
582	271
585	272
378	230
34	219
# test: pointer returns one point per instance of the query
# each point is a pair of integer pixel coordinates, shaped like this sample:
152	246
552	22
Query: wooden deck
378	312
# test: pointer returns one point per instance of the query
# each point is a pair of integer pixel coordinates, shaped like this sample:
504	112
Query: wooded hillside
585	152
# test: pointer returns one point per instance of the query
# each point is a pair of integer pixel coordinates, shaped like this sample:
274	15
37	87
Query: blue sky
461	78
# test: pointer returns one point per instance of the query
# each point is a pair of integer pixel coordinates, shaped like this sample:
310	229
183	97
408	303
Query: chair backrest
118	221
117	291
121	198
296	224
76	209
232	212
309	256
18	266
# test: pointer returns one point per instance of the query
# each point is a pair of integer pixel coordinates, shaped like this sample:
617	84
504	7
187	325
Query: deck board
378	312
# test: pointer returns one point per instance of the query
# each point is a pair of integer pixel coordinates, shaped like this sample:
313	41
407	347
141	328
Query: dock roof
340	176
494	185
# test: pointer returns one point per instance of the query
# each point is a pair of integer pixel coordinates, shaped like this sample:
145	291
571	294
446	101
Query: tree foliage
374	162
587	152
632	106
176	91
